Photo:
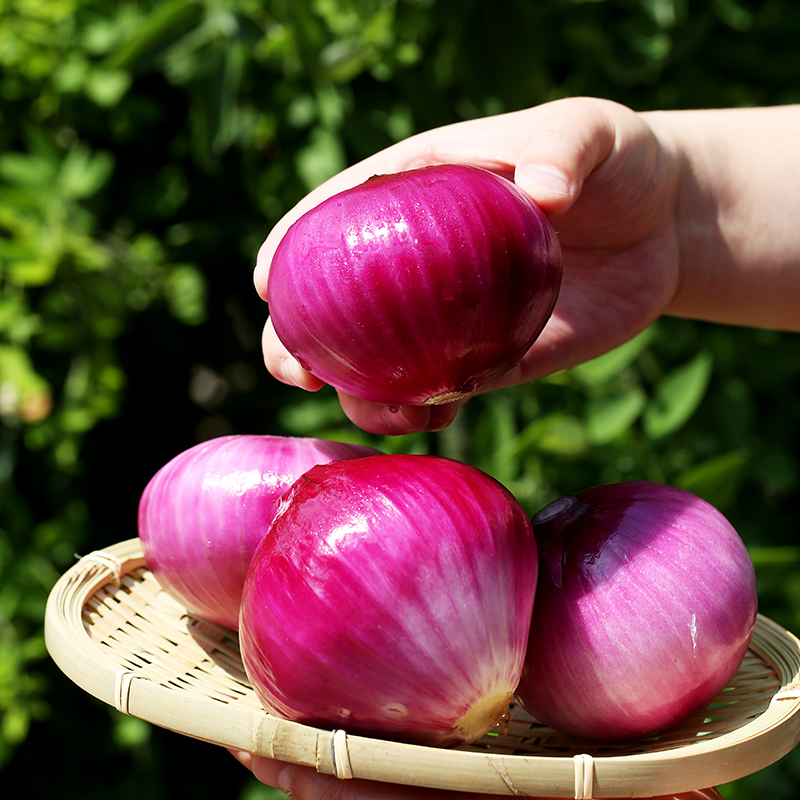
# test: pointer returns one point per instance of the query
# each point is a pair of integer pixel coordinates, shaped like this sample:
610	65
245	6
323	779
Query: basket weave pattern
114	631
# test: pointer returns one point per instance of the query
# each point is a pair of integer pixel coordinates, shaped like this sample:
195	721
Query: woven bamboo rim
118	635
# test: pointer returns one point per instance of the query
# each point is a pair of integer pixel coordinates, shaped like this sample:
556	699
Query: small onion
645	606
392	598
418	287
203	513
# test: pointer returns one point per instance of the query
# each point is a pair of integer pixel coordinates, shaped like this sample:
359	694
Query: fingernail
543	178
405	419
285	780
393	418
291	372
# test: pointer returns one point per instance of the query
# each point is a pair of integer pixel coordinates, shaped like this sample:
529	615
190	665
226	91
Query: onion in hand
645	606
203	513
416	288
391	598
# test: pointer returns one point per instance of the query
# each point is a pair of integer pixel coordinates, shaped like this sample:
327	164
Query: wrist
695	218
739	242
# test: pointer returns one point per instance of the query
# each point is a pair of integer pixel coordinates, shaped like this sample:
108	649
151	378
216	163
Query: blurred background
146	149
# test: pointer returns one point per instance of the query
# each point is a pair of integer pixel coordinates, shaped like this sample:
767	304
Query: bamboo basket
118	635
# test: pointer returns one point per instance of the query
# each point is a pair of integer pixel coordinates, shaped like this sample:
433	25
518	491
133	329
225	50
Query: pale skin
689	213
684	213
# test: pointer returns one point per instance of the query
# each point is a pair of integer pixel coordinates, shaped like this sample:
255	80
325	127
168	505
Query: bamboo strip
115	632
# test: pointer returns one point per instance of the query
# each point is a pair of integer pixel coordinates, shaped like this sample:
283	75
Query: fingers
600	172
282	365
550	151
370	417
567	141
388	421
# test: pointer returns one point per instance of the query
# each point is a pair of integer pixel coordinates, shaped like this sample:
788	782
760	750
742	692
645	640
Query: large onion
203	513
391	597
418	287
645	606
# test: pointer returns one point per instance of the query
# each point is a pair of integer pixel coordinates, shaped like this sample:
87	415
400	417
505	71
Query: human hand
600	173
305	783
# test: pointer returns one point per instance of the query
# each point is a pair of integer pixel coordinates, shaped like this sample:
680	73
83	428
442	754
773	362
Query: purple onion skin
203	513
416	288
645	606
391	596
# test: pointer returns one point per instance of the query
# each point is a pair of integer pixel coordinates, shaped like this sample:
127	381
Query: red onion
203	513
391	597
645	606
416	288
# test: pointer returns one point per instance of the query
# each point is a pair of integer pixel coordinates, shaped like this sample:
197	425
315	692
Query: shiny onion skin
391	598
203	513
645	606
418	287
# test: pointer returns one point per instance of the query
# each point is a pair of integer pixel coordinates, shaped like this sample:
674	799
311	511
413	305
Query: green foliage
147	147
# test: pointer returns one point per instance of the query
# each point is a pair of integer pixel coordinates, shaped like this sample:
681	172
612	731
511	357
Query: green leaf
496	425
558	434
70	76
23	392
777	470
167	23
36	271
601	369
107	87
224	120
306	417
15	723
321	158
677	396
732	13
24	169
17	323
83	173
187	294
769	556
609	416
130	732
563	436
717	479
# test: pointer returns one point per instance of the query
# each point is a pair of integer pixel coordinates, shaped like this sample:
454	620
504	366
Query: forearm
737	214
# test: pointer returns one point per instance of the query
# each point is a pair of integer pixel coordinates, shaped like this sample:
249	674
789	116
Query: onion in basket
203	513
645	606
391	598
416	288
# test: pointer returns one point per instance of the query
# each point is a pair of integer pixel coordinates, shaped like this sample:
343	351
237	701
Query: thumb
570	138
